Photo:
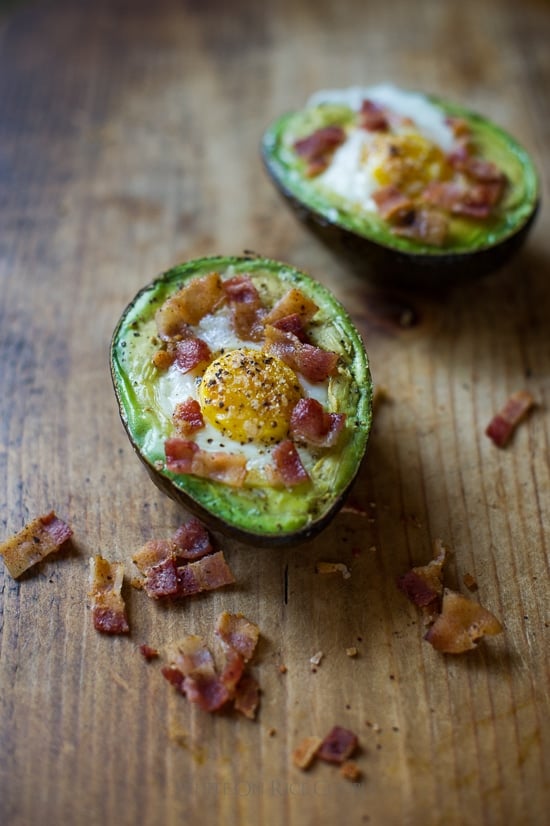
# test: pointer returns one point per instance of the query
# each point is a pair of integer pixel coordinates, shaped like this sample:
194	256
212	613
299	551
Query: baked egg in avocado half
414	189
245	388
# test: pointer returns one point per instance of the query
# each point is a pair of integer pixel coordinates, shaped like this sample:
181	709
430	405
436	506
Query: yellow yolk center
409	161
249	395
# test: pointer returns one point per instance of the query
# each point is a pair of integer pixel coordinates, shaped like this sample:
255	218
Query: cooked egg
249	396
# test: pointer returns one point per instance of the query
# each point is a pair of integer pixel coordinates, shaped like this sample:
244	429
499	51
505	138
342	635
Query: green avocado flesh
256	512
465	234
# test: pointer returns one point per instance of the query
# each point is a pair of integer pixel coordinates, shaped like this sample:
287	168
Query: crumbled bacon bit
333	568
293	324
461	624
283	669
351	652
190	353
39	538
423	584
238	633
288	465
187	417
372	117
424	224
338	745
189	305
148	653
391	203
247	696
191	541
312	362
470	582
305	752
162	359
312	424
316	149
108	608
350	771
293	303
503	425
184	456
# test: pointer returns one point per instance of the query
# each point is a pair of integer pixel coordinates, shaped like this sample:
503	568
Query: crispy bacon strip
311	423
191	541
288	465
312	362
108	608
391	202
206	574
318	147
338	745
305	752
187	417
246	307
425	224
39	538
293	324
461	624
238	633
247	696
189	305
186	457
503	425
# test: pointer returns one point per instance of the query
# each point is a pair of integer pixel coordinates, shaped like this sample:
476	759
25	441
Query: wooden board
129	142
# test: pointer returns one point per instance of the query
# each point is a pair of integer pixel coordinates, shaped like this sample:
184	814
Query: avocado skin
388	267
380	261
213	517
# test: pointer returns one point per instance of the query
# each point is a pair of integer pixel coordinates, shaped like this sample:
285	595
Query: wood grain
129	142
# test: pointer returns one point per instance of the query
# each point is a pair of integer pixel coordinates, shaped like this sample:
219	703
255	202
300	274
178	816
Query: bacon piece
191	541
306	751
190	352
311	423
237	632
293	302
461	624
161	580
483	170
247	696
338	745
148	653
293	324
108	608
163	359
474	201
186	457
391	202
312	362
372	117
423	584
443	194
192	671
316	149
288	465
460	126
39	538
187	417
424	224
502	426
246	307
189	305
206	574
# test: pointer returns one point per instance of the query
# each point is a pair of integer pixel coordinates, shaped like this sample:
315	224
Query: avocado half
259	514
474	248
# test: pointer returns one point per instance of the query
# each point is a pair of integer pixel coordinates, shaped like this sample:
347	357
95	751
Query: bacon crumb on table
461	624
148	653
339	744
305	752
350	770
502	426
39	538
423	584
108	608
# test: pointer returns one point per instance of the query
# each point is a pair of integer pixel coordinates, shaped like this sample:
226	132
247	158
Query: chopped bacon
189	305
372	117
148	653
39	538
311	423
238	633
483	171
318	147
427	225
163	359
192	671
306	751
338	745
191	541
475	201
187	417
423	585
502	426
293	302
312	362
293	324
186	457
460	127
108	608
206	574
443	194
190	352
247	696
391	202
246	307
161	580
461	624
288	465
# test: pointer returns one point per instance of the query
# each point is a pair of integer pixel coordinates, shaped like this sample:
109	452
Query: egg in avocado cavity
245	389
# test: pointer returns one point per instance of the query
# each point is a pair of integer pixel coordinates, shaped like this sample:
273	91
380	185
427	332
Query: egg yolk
249	396
409	161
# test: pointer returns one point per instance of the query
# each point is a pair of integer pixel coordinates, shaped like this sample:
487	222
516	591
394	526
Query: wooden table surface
129	142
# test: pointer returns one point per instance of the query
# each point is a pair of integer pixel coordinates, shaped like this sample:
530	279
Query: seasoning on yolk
249	395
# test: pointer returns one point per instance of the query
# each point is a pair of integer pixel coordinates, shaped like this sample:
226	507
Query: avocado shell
379	256
214	503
